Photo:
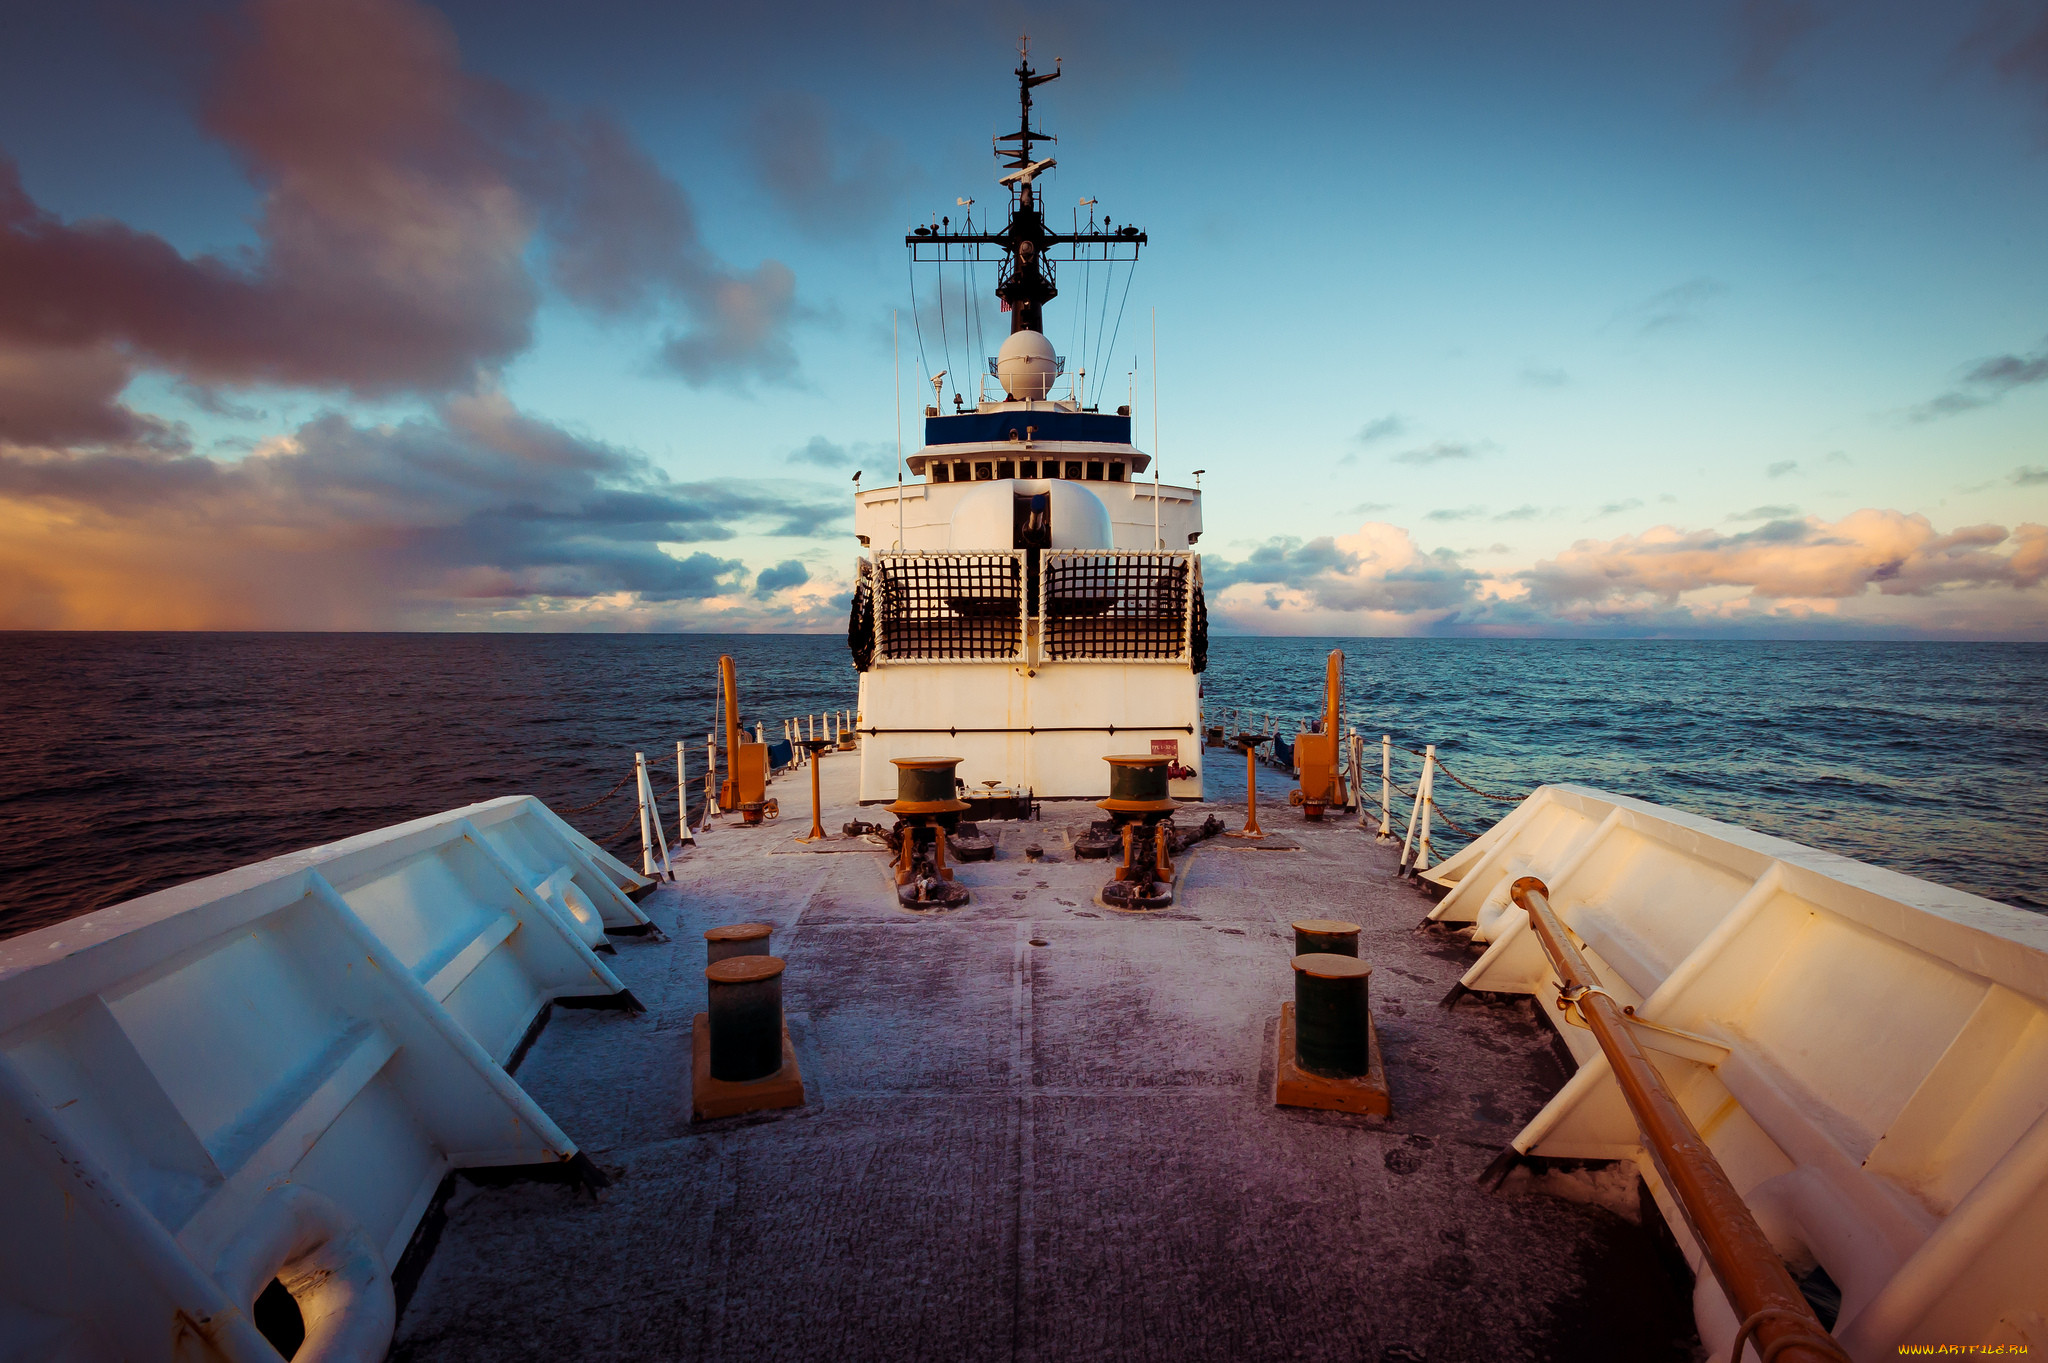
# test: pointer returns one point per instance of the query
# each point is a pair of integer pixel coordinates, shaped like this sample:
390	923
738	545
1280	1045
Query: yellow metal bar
1774	1314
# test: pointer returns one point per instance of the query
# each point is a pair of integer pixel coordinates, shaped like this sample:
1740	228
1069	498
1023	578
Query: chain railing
1425	821
697	804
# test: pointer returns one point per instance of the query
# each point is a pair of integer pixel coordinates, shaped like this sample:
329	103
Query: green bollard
1331	1021
745	1015
1331	936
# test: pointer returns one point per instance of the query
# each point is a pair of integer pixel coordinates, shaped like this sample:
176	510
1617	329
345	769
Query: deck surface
1042	1129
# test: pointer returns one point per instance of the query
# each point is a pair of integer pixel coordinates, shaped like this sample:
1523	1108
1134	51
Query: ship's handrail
1866	1053
1769	1303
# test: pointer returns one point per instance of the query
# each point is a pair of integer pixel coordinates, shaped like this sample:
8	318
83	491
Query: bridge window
1074	468
1028	469
1094	470
984	471
1116	472
939	472
1006	468
960	473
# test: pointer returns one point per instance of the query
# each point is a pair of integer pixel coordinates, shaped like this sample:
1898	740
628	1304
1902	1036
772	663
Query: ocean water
130	762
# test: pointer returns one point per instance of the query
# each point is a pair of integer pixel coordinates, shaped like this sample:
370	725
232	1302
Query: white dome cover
1026	366
986	517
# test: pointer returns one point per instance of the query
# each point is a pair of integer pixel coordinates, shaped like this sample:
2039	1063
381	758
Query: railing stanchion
651	806
683	834
1414	818
1386	833
710	777
1426	792
640	792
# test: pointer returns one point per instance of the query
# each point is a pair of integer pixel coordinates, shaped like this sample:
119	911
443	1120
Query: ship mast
1026	247
1026	283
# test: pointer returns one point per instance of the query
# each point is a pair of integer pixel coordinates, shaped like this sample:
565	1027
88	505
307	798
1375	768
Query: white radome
985	519
1026	366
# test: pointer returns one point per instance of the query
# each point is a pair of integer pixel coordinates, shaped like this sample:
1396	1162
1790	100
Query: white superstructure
1032	606
1031	603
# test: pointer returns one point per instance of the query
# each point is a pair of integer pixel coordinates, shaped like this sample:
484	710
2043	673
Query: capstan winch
927	812
1140	829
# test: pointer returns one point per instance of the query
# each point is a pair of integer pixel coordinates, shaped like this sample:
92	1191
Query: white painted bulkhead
1142	701
928	513
1107	707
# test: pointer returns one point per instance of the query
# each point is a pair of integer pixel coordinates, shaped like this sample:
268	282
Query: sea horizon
161	756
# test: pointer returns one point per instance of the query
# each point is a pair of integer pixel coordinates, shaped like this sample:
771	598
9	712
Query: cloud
1986	382
1463	513
1766	32
402	201
1765	513
824	179
1678	308
63	394
2012	39
1616	508
478	507
1381	428
2029	476
1372	581
1368	508
788	573
626	241
1520	513
1539	377
829	454
1441	451
1781	468
1898	554
1874	572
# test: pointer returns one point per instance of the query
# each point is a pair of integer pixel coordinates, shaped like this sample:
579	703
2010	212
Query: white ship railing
1865	1053
267	1074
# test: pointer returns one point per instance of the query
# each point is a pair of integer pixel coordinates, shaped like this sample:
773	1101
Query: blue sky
1481	318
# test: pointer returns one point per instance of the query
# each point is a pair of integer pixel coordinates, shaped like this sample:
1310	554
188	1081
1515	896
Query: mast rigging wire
970	305
1102	319
1128	276
1087	280
945	337
921	362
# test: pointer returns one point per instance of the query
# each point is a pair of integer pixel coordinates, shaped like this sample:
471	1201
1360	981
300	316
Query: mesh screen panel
949	607
1115	606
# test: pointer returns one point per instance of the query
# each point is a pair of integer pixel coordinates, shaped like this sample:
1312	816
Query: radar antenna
1026	249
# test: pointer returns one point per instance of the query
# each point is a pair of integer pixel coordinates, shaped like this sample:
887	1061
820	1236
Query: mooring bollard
736	939
745	1014
1331	1014
1331	936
